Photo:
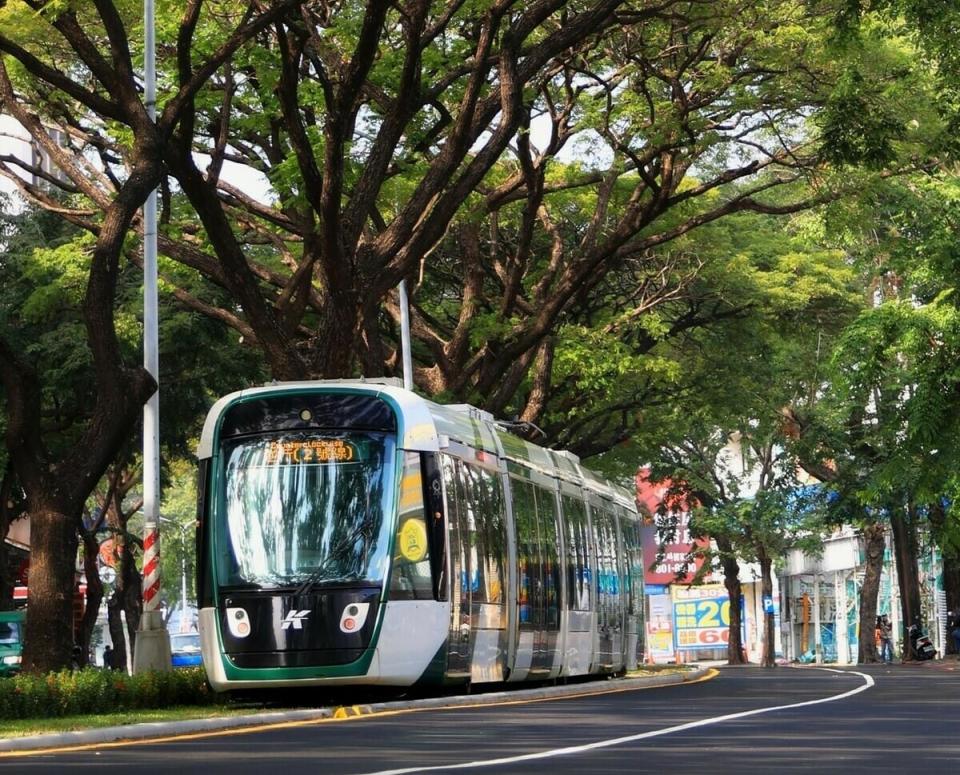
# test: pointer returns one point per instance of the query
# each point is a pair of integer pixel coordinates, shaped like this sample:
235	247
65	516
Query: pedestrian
885	630
954	622
108	657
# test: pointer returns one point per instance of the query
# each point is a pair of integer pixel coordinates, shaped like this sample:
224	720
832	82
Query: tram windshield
306	509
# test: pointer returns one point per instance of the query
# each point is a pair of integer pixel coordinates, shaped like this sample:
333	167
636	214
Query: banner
701	617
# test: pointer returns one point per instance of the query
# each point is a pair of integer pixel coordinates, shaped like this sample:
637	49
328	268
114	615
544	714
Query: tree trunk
766	591
124	603
91	551
951	566
731	580
6	583
133	607
125	600
115	625
874	546
9	511
908	576
53	538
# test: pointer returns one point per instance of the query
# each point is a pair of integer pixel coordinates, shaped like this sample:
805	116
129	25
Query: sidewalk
949	662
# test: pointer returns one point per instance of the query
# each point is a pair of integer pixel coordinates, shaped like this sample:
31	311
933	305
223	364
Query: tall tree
61	66
787	297
882	429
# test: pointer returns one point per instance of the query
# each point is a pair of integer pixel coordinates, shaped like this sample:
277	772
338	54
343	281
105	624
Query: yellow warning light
413	540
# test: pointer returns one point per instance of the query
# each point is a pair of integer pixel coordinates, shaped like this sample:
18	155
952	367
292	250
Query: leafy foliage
886	416
91	690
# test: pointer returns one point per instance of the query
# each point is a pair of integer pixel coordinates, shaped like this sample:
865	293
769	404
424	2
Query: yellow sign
310	451
413	540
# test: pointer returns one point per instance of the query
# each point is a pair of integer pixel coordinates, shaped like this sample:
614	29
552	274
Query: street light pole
183	582
152	648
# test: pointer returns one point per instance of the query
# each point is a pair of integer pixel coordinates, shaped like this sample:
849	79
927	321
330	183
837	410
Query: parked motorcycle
921	647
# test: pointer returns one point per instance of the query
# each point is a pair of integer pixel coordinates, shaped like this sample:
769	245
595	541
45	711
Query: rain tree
541	147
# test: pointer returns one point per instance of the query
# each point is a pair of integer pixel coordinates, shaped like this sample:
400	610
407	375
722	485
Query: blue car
185	649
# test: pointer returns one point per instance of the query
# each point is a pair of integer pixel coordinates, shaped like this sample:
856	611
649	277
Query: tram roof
426	426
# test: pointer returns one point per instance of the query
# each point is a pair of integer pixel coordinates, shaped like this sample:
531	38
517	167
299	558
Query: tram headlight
353	617
238	622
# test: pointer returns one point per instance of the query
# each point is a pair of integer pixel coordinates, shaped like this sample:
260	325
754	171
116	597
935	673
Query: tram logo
294	619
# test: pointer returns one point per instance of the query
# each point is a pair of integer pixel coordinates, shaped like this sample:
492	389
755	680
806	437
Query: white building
820	600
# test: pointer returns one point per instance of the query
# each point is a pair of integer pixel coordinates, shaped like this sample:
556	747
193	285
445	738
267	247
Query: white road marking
867	683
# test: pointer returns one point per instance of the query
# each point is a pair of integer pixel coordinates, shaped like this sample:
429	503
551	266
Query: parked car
185	649
12	627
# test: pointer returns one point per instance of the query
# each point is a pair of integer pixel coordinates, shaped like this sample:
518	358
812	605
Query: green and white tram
355	533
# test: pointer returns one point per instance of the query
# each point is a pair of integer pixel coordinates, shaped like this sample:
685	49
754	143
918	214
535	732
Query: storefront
821	601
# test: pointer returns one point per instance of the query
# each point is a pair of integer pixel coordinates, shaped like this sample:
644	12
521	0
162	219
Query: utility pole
152	648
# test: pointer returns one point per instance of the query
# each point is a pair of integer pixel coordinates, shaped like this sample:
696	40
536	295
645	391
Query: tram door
538	577
633	586
580	596
459	646
609	597
476	645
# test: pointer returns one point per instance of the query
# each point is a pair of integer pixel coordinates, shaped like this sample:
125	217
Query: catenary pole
405	336
152	647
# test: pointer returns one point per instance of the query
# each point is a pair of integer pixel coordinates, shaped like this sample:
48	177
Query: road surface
859	720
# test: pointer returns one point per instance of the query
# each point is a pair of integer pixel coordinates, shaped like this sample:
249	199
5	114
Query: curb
160	729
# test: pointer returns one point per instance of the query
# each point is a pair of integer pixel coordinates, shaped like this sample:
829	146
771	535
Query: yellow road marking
354	713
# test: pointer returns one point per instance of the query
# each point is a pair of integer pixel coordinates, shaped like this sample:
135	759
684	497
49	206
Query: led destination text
310	451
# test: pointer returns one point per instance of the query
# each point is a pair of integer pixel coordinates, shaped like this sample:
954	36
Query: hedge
75	692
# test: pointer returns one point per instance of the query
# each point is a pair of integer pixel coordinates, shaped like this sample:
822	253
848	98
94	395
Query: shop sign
667	543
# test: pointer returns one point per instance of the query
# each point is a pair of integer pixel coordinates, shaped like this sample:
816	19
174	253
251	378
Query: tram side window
528	553
412	578
622	564
578	566
550	552
599	585
614	584
632	549
487	533
457	518
607	581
